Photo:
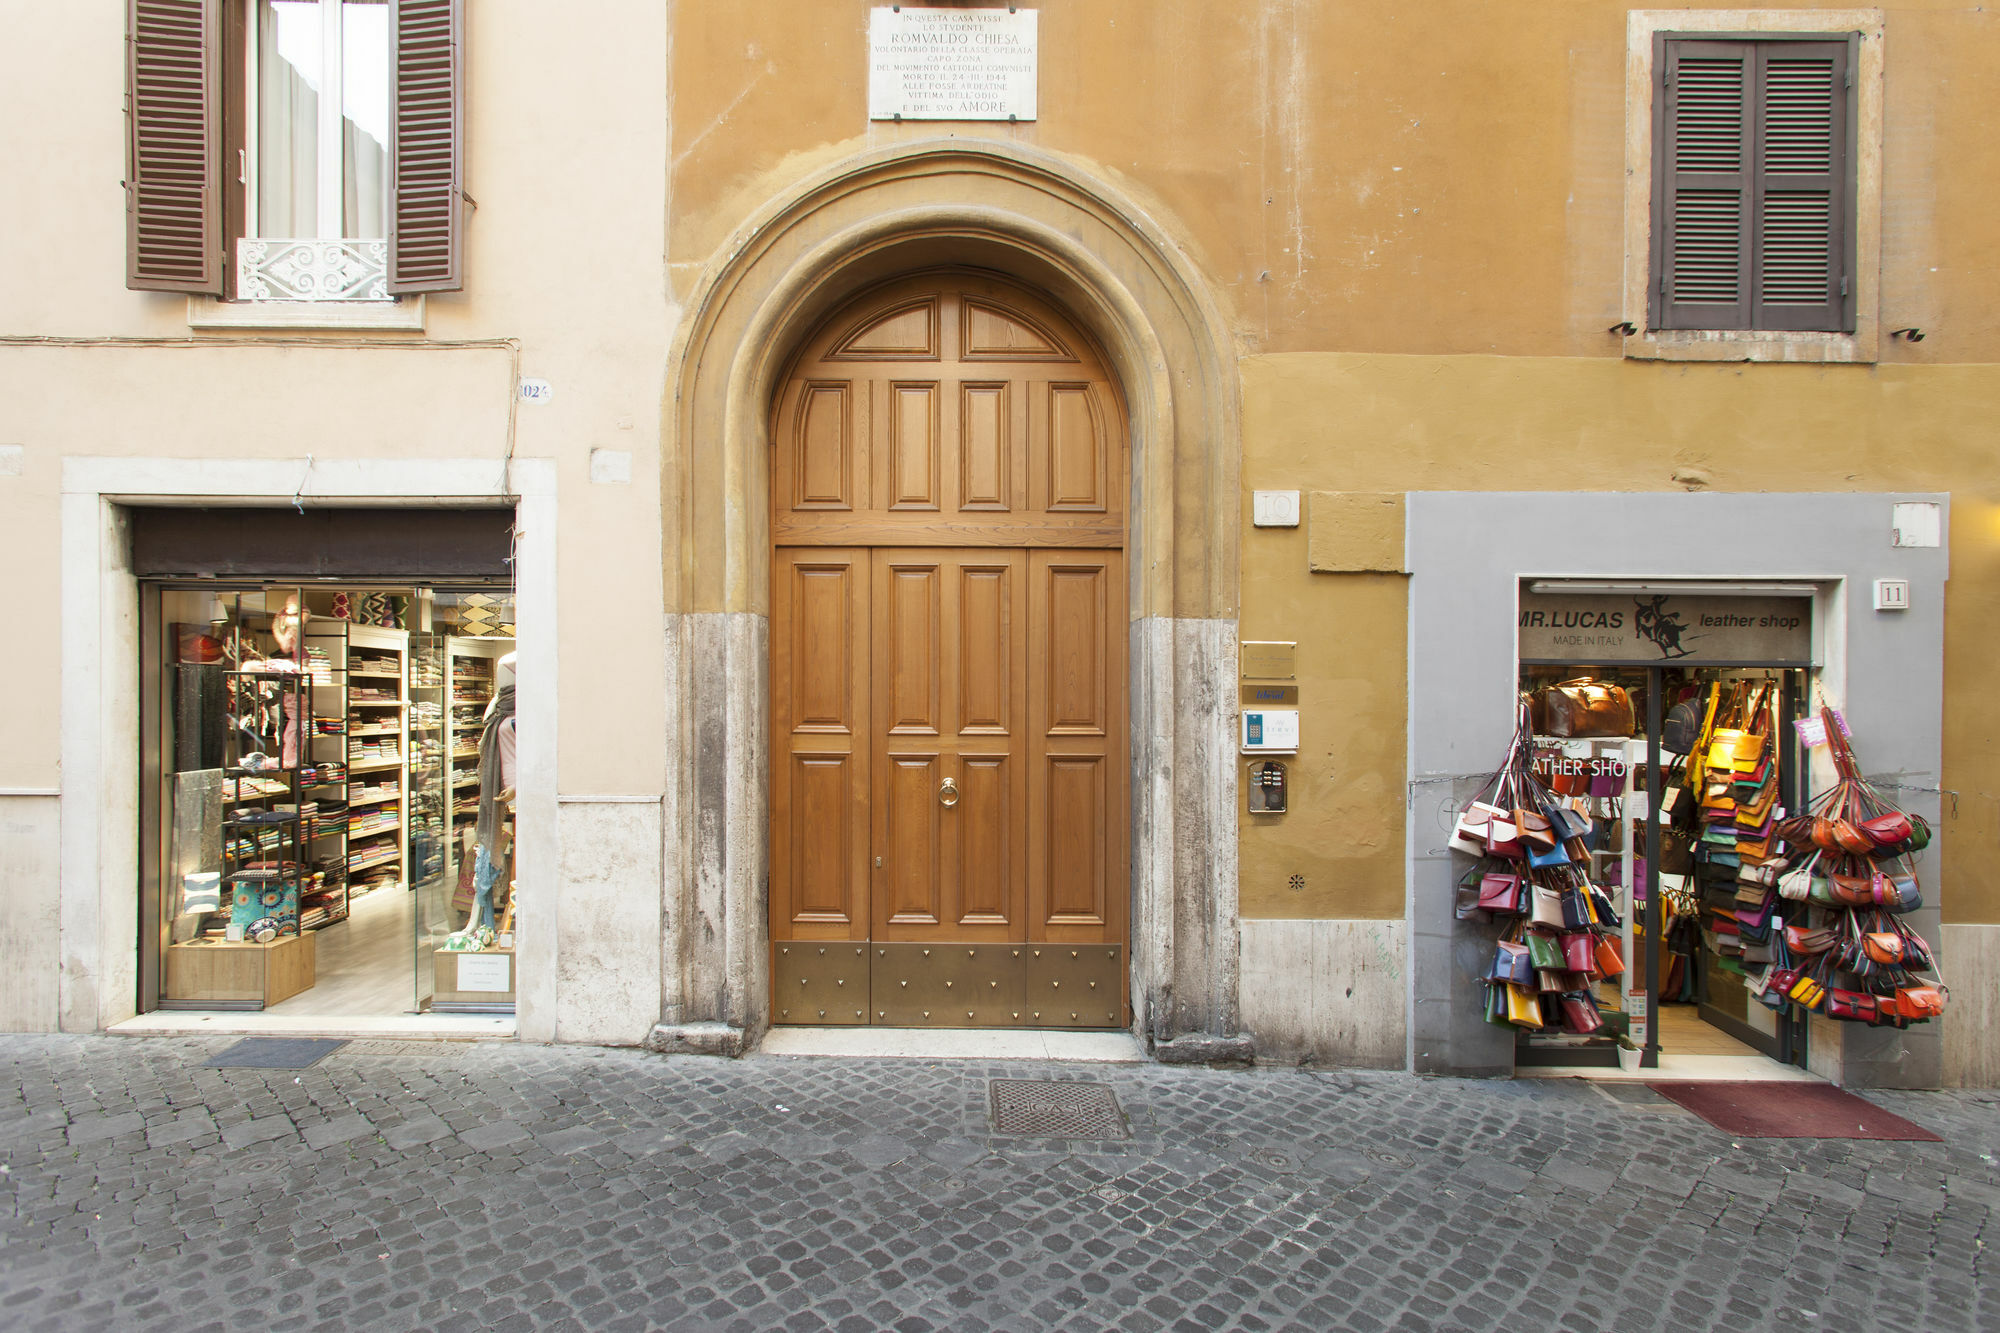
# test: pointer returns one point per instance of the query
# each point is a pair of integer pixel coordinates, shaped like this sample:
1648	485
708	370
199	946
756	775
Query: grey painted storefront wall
1467	553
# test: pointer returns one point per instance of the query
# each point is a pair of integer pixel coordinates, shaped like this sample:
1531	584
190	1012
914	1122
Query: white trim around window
1863	344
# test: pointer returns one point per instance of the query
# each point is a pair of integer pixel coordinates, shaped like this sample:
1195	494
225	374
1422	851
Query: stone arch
1035	219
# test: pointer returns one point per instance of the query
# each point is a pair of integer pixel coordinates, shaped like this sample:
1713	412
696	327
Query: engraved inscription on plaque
951	64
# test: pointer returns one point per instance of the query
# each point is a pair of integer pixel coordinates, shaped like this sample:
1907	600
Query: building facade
875	498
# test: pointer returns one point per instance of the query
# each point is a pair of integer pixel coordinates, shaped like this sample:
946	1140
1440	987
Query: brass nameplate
1271	696
1270	660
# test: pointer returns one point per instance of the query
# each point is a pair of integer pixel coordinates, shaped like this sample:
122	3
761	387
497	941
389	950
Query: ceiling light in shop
1674	587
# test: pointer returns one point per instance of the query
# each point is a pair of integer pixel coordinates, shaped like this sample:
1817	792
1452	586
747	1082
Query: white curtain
287	124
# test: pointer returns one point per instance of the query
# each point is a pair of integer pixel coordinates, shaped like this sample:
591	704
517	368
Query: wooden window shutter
1799	264
1703	185
173	214
426	218
1752	188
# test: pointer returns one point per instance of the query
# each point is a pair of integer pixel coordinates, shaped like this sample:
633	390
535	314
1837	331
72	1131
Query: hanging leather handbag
1920	834
1853	890
1576	913
1548	857
1780	980
1850	837
1535	829
1851	1006
1502	839
1796	831
1763	875
1919	1003
1885	947
1469	835
1796	883
1889	830
1544	951
1570	822
1579	955
1545	906
1804	940
1586	707
1807	991
1580	1016
1682	729
1609	962
1902	893
1511	963
1524	1008
1500	891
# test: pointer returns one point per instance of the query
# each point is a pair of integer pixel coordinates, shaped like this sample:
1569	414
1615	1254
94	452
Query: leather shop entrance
948	687
1612	674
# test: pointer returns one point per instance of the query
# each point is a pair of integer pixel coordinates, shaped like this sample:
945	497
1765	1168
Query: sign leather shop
1660	629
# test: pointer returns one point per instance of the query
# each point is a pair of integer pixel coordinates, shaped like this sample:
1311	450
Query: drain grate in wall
1048	1108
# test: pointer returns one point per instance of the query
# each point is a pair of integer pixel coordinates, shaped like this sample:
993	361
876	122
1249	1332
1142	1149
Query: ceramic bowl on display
263	930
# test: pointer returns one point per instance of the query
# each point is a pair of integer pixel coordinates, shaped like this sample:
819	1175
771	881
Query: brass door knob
948	793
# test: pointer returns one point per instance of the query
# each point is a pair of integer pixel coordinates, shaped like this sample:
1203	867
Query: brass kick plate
819	982
997	985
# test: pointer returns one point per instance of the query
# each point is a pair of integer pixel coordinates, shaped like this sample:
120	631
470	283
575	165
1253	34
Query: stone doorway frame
1036	219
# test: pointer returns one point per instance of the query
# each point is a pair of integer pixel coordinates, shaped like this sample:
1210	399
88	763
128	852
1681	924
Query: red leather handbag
1500	891
1579	951
1852	1006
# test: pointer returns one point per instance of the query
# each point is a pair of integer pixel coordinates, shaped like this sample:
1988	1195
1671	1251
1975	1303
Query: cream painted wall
565	257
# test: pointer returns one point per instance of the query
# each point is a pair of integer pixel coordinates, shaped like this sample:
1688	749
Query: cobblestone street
497	1186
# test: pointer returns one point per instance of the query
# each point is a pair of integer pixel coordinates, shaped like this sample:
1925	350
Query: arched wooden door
948	691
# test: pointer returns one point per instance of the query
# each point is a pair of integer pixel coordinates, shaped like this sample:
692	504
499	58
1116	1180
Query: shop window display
322	793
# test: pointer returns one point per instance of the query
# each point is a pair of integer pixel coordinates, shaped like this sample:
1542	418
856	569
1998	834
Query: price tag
1812	732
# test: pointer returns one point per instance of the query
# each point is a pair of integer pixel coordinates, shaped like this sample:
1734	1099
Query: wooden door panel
1077	446
910	883
1075	630
985	667
1077	839
820	456
985	447
906	664
822	697
820	835
821	749
986	865
1077	852
915	452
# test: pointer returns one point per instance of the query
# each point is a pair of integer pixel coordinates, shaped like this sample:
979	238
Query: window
1753	184
294	150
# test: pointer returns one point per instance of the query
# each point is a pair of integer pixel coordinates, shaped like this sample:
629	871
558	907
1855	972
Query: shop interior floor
365	962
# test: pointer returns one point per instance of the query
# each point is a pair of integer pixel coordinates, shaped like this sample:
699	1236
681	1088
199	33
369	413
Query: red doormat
1790	1111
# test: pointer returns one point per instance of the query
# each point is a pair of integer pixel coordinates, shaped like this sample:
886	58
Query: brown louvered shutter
426	219
1703	186
1799	256
173	215
1752	199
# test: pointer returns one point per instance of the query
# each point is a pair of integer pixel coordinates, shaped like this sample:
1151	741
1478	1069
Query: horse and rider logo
1659	626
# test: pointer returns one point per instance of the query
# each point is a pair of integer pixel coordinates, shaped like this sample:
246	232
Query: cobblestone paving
499	1186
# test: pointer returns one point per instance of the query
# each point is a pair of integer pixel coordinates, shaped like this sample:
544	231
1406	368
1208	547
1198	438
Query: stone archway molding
1037	219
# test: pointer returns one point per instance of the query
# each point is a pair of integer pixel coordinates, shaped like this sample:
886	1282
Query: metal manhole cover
273	1053
1047	1108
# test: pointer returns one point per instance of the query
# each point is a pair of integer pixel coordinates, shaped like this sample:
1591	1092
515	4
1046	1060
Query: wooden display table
223	975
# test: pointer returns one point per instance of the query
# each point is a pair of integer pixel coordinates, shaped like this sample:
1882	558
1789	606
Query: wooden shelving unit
378	756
